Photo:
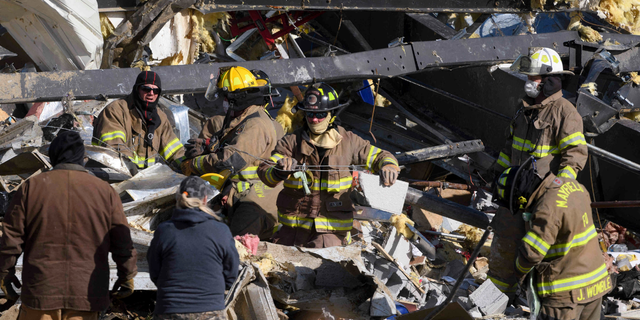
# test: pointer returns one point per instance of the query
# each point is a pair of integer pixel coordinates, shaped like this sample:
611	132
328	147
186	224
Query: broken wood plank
390	258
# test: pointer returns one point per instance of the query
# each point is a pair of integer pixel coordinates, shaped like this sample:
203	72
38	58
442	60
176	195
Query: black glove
389	174
122	288
133	168
6	280
285	167
198	147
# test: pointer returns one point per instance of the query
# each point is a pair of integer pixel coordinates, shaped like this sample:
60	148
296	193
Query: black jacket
192	260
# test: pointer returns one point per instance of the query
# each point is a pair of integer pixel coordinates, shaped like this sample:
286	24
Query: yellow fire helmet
215	179
238	78
542	62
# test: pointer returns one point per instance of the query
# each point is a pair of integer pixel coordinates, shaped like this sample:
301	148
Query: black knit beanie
67	147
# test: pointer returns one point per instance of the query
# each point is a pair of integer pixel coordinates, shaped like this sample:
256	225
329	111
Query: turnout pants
588	311
252	209
302	237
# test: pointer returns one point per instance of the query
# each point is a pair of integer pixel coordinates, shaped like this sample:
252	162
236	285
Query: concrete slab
489	299
381	197
398	247
382	305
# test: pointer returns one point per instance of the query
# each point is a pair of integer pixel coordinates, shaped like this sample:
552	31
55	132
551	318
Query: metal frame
382	63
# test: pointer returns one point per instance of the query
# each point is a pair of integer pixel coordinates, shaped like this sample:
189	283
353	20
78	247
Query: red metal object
255	20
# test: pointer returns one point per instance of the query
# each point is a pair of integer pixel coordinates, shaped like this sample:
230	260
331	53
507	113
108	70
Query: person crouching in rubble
137	128
559	254
66	221
547	127
237	141
192	258
320	213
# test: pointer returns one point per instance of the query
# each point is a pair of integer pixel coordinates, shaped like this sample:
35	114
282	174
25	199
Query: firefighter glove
122	288
7	279
198	147
187	168
389	174
285	167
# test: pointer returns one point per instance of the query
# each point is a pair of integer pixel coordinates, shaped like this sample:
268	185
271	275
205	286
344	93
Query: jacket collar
69	166
136	119
529	104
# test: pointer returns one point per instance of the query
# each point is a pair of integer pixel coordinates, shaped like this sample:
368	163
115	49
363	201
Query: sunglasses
317	115
148	89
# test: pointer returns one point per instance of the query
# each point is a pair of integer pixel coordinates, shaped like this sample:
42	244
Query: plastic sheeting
57	34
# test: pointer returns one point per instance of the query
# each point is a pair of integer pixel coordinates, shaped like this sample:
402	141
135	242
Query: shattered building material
489	299
22	134
378	196
441	151
57	35
447	208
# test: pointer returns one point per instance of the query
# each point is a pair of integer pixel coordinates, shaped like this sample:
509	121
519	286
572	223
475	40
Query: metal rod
447	208
441	151
455	236
440	184
616	204
613	158
461	277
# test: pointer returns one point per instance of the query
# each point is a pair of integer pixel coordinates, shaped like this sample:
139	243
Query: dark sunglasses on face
317	115
148	89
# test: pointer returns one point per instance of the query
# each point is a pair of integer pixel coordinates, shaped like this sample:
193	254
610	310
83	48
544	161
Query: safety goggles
317	115
148	89
522	64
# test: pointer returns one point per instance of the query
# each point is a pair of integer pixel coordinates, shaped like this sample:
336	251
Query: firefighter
135	127
247	132
560	250
547	127
320	213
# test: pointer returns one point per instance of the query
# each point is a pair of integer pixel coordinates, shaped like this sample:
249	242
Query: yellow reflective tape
113	135
572	140
275	157
504	160
333	224
521	268
373	153
172	147
567	172
321	91
536	242
540	151
294	221
502	286
331	97
576	282
578	240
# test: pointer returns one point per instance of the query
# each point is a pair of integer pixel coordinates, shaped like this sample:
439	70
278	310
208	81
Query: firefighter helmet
541	63
241	87
320	97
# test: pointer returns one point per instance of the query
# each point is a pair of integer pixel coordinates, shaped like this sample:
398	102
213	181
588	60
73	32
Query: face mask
225	106
321	127
532	88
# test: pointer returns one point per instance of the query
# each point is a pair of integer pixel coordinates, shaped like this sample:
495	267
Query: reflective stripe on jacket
328	208
551	132
561	243
119	126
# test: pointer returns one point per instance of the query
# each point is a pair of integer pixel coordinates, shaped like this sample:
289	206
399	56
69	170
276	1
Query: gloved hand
8	278
133	168
187	168
198	147
122	288
285	167
389	174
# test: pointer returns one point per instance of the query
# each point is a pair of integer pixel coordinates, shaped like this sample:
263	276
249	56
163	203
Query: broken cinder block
389	199
489	299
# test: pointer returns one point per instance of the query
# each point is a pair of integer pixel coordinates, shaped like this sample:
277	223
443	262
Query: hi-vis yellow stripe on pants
576	282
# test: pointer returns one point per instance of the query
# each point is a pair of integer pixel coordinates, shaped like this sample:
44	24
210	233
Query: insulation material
290	121
472	235
624	14
243	253
586	33
250	241
203	25
592	87
529	18
171	45
56	34
105	26
634	77
399	221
